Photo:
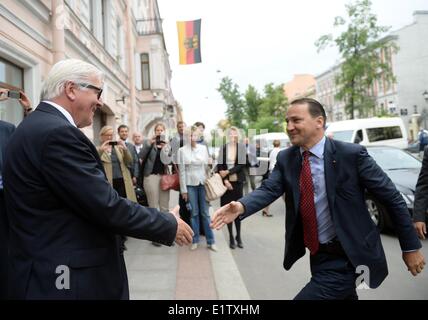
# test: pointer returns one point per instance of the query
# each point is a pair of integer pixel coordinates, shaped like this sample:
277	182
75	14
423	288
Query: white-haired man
65	217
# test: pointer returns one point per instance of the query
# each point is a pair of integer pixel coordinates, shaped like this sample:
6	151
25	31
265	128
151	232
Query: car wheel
377	213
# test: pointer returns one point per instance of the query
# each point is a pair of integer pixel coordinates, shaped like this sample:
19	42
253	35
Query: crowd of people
65	202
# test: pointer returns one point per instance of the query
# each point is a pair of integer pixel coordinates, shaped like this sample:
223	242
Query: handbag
214	187
170	181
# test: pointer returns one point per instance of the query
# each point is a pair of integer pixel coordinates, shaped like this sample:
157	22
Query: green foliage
360	46
253	110
234	101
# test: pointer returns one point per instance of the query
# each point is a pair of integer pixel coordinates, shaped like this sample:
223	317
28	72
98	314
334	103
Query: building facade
409	65
122	38
302	86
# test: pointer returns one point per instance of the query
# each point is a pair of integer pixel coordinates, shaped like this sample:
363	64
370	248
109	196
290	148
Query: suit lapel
330	167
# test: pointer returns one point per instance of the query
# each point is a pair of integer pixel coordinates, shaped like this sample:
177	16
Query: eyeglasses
90	86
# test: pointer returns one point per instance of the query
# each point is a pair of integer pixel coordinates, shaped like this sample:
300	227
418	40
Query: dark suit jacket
349	171
63	211
241	161
6	130
420	206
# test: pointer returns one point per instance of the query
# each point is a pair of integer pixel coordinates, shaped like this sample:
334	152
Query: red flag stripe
189	35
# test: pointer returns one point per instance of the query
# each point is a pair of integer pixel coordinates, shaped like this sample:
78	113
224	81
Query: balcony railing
149	26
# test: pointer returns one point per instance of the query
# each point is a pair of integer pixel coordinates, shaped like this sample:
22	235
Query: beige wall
301	86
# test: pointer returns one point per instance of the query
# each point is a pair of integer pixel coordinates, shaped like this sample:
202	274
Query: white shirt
62	110
272	158
191	164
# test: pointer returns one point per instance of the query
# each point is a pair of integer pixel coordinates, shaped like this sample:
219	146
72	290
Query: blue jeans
197	200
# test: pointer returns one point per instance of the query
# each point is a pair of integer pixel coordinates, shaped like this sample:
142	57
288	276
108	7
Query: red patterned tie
307	206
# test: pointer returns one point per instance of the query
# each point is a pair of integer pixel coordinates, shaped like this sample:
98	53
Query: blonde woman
232	160
115	158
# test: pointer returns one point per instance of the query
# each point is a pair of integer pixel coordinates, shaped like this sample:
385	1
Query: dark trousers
119	186
4	235
184	213
333	278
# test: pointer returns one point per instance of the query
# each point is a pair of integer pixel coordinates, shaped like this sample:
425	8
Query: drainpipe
131	71
58	35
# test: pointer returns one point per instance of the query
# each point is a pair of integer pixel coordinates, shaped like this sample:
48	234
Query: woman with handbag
192	164
154	150
232	160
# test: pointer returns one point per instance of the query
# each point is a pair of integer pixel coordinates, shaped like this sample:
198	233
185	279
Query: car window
384	133
390	159
345	135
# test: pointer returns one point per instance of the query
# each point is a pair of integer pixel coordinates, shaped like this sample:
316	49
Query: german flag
189	41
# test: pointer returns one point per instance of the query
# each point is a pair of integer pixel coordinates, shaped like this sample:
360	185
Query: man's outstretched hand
184	234
226	214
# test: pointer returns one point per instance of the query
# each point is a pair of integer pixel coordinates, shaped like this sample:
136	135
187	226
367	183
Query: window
384	133
86	13
11	77
145	71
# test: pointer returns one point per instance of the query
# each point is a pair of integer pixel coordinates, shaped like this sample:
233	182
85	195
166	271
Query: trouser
333	278
199	215
156	197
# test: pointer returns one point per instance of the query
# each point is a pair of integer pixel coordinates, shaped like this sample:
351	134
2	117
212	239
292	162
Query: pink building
122	38
302	85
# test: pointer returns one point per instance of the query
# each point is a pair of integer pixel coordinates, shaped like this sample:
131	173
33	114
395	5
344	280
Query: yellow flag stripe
181	27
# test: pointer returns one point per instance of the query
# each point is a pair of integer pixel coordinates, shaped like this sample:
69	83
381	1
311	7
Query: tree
234	102
272	108
252	104
361	48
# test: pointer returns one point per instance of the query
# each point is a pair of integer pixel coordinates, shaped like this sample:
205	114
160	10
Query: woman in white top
272	162
192	162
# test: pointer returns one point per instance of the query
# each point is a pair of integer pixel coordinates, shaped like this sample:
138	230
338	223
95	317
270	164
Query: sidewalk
176	273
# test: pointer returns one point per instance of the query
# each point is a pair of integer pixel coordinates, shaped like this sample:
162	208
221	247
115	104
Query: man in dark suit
65	218
6	130
420	207
324	182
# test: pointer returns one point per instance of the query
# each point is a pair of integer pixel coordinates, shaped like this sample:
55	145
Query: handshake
184	235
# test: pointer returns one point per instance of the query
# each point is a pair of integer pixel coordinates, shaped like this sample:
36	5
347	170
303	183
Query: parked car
370	132
403	169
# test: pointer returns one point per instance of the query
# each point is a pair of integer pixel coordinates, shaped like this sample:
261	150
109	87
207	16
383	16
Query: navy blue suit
6	130
63	212
349	172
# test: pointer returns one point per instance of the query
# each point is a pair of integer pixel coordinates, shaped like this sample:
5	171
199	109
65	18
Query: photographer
116	158
22	98
153	152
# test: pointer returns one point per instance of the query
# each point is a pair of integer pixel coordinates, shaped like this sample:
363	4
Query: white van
266	141
370	132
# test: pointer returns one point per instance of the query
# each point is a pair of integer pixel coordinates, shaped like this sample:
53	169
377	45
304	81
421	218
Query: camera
113	143
14	94
188	206
160	139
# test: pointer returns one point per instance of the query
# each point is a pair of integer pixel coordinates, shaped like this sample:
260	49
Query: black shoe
240	245
156	244
232	245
